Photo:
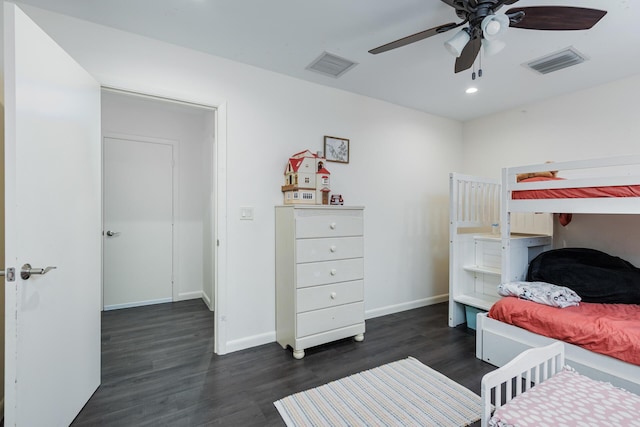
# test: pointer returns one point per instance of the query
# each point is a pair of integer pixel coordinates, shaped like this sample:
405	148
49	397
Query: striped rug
402	393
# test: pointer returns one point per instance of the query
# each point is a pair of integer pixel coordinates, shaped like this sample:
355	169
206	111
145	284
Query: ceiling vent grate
557	61
331	65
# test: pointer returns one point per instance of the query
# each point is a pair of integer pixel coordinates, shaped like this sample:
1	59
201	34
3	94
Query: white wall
187	127
598	122
400	160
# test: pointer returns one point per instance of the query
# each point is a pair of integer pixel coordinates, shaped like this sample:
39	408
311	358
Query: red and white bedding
575	193
610	329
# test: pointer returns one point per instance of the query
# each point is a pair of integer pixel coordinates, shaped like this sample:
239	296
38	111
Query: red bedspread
576	193
611	329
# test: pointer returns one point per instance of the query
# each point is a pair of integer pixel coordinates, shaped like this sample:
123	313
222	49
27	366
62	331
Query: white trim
137	304
219	108
207	301
396	308
249	342
220	231
183	296
269	337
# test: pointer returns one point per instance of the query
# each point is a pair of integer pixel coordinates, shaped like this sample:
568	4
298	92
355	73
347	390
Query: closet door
138	223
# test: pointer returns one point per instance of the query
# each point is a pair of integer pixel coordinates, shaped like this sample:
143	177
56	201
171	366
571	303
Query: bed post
505	226
479	328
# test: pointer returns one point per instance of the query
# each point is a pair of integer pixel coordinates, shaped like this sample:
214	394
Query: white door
53	218
138	223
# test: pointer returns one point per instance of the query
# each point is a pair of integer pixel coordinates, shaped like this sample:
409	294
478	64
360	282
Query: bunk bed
499	342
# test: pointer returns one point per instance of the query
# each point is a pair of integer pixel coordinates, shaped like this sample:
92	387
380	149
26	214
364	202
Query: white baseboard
136	304
183	296
252	341
269	337
396	308
207	301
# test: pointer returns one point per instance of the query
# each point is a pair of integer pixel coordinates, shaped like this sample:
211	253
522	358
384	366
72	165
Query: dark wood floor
158	366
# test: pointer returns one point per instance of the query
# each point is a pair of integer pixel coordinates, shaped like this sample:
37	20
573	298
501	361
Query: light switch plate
246	213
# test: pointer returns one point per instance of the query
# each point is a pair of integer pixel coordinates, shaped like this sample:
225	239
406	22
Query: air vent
331	65
557	61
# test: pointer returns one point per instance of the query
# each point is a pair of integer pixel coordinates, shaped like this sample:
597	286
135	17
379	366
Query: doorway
158	181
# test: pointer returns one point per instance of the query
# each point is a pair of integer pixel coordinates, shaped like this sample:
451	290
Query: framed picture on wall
336	149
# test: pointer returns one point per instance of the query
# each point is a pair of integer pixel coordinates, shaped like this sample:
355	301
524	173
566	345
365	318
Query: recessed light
471	90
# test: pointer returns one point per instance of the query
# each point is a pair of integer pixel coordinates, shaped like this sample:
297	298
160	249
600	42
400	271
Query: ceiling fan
485	26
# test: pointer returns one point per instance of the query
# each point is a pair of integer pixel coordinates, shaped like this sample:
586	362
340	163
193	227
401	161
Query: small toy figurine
336	199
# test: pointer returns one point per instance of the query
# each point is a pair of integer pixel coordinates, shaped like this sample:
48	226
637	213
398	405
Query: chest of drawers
319	275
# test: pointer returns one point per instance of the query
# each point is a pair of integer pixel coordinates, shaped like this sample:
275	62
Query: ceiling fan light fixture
456	43
493	26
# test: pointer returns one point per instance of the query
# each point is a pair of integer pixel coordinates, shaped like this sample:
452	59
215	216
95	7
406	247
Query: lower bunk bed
537	388
498	343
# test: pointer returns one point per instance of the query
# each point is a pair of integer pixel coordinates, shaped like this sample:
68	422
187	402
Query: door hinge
217	242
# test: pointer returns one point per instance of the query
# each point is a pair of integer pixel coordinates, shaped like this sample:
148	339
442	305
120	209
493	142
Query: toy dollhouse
306	181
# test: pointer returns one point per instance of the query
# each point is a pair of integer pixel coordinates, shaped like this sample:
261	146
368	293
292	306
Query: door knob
112	233
26	271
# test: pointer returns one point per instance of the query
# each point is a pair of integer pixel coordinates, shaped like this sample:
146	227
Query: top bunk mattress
610	329
575	193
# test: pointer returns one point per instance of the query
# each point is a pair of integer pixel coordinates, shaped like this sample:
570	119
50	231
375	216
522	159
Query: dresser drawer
323	273
317	321
310	250
329	223
324	296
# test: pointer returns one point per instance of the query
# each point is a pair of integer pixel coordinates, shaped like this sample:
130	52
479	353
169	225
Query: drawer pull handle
333	295
333	248
333	271
332	226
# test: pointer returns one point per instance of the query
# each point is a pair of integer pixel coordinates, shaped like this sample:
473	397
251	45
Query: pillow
594	275
545	174
540	292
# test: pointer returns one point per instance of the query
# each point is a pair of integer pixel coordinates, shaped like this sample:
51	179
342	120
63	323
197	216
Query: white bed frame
497	342
528	369
583	173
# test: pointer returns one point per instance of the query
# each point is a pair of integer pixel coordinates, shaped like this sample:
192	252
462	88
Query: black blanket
594	275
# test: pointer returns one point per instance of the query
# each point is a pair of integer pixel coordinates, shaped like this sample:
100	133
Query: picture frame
336	149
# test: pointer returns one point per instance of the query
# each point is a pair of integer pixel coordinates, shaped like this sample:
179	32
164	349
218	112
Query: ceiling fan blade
468	55
557	18
416	37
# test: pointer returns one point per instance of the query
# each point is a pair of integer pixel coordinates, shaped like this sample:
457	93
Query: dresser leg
359	337
298	354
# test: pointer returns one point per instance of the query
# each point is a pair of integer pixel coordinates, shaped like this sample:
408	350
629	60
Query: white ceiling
287	35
